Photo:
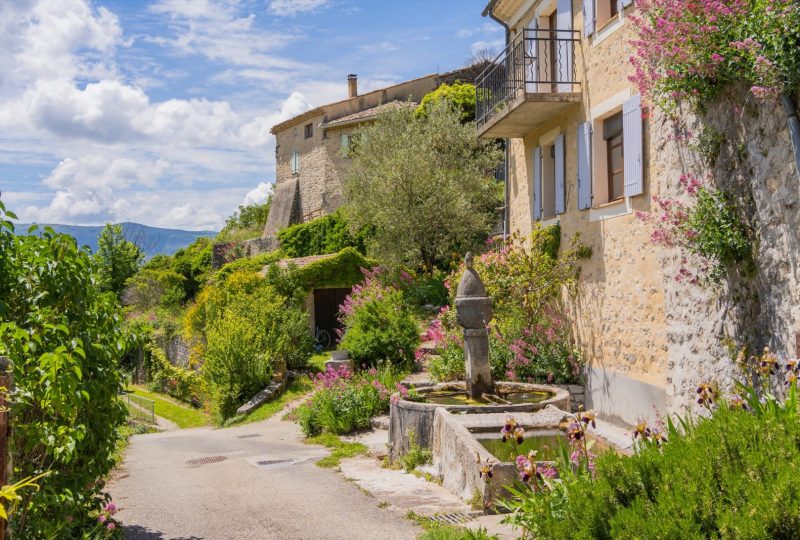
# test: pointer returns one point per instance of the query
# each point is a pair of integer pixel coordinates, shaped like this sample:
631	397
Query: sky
158	112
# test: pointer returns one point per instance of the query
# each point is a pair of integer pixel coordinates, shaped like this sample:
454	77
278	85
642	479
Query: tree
117	259
424	184
461	95
64	338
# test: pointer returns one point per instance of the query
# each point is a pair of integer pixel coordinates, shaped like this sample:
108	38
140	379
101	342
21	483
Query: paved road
161	496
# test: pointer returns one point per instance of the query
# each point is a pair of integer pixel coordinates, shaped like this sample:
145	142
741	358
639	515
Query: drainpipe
489	11
794	127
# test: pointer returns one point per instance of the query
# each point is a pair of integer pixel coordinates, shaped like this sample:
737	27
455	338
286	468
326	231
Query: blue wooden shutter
537	183
584	165
561	188
633	146
588	17
564	47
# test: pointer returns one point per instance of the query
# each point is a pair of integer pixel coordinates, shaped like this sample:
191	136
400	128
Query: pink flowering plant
344	401
378	323
687	51
706	227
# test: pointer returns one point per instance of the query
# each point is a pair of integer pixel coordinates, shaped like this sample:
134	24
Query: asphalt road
163	494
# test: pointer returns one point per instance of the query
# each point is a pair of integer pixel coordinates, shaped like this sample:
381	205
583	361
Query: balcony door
564	45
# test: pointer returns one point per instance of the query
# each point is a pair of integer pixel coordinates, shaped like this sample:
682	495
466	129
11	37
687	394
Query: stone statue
474	311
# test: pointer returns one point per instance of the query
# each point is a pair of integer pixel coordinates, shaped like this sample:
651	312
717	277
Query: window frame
308	130
613	142
295	162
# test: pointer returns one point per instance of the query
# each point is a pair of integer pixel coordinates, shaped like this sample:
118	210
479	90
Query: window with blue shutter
633	146
560	183
537	184
295	162
584	165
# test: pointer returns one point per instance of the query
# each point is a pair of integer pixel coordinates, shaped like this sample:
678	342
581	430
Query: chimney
352	85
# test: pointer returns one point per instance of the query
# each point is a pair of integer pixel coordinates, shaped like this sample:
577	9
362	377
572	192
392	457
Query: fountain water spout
474	312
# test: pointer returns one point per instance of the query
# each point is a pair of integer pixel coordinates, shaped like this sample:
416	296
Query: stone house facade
311	152
578	155
584	152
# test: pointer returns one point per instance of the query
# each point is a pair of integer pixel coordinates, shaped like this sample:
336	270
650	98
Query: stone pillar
474	311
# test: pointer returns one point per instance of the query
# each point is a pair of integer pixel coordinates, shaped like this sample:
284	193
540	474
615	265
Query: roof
321	109
369	114
300	262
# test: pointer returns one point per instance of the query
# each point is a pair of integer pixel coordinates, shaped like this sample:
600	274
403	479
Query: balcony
531	81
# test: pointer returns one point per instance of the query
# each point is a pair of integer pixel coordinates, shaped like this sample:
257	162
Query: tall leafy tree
424	184
117	258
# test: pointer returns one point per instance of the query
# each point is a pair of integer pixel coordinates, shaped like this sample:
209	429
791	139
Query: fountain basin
417	418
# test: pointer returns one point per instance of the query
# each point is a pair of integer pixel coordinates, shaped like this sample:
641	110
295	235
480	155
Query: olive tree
423	184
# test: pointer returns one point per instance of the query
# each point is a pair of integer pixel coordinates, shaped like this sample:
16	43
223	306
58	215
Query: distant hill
152	240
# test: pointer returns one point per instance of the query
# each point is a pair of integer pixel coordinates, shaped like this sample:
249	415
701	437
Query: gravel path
161	496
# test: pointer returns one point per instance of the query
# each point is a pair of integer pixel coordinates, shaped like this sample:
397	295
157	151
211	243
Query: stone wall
755	163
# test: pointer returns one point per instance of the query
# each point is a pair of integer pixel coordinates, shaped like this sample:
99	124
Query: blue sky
159	111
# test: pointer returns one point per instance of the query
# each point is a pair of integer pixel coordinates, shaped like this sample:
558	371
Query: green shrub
416	455
149	288
328	234
461	95
448	364
241	328
731	476
248	264
64	339
378	325
344	402
183	384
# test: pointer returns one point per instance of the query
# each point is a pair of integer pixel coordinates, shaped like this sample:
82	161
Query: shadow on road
135	532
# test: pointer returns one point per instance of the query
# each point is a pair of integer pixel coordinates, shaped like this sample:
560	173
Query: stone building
582	152
311	151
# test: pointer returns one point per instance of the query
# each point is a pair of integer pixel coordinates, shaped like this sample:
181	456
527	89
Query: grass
166	407
124	432
296	389
455	533
317	361
339	449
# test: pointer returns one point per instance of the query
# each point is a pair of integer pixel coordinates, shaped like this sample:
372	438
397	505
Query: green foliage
183	384
729	477
423	185
448	363
378	325
416	455
718	233
156	288
246	223
117	259
456	533
64	338
460	95
327	234
248	264
243	328
344	402
194	264
339	449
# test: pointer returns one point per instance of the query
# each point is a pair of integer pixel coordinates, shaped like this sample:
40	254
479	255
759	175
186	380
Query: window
295	162
345	145
615	156
548	178
294	132
308	131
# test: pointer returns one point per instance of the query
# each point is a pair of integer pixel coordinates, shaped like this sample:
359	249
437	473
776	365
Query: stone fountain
474	311
478	394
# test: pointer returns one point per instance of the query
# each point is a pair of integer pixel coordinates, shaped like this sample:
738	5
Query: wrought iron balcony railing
539	62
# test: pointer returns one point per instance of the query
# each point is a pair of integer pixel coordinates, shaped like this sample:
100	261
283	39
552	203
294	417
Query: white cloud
494	46
485	28
285	8
259	194
101	171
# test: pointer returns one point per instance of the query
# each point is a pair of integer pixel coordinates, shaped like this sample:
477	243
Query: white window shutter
561	188
564	47
588	17
584	165
626	3
632	134
531	48
537	183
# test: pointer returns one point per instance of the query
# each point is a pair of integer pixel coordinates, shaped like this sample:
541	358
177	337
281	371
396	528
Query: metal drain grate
248	436
269	462
455	518
206	460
